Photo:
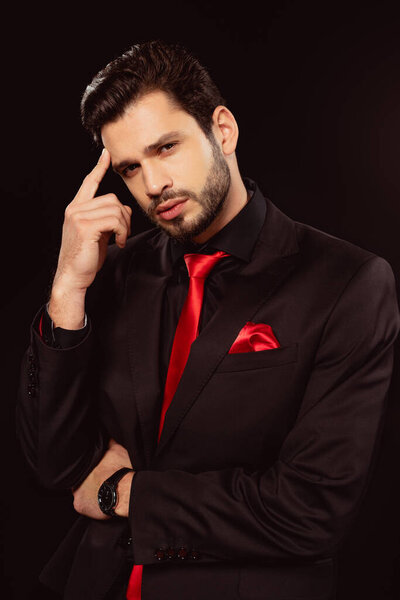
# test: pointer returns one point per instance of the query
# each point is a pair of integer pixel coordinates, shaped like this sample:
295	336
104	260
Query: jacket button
194	555
125	540
31	390
171	553
182	553
160	554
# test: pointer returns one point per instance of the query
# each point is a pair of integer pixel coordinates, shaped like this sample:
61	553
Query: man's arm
59	431
302	506
88	225
85	496
57	424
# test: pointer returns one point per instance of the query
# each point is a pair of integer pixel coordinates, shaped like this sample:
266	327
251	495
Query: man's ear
225	129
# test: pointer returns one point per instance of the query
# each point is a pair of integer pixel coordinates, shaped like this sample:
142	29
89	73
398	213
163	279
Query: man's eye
168	146
129	169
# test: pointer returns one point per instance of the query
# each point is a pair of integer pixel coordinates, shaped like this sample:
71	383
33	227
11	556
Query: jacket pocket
314	581
245	361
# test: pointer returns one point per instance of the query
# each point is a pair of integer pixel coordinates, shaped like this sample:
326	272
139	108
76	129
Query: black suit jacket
264	456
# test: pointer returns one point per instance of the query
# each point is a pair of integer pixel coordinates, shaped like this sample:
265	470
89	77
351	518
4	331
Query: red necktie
198	266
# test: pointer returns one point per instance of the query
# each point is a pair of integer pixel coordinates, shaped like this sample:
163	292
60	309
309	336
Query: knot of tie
200	265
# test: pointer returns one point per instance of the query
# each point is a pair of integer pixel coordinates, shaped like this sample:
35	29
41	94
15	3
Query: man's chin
177	231
184	228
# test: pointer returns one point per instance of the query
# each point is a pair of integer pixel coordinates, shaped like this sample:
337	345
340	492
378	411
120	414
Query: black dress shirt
237	239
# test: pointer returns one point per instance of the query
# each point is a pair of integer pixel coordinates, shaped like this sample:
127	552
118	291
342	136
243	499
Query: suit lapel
274	257
149	273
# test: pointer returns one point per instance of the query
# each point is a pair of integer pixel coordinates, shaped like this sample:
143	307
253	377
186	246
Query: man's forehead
153	111
144	122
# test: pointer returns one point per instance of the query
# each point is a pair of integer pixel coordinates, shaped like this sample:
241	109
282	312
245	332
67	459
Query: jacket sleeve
60	436
58	419
302	506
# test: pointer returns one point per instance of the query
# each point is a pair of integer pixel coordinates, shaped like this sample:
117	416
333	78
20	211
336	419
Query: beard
211	198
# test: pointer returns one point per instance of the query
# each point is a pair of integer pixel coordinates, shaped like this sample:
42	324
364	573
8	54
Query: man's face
177	175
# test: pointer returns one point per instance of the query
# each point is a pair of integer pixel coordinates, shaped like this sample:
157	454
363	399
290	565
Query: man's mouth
171	209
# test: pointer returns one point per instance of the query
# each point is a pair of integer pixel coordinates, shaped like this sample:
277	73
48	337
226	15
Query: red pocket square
253	338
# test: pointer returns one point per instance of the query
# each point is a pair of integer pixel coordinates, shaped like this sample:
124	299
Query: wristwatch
107	495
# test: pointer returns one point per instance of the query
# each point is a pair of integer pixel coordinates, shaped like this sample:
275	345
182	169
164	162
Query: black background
315	88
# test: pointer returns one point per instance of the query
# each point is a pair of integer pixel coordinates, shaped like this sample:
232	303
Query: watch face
106	497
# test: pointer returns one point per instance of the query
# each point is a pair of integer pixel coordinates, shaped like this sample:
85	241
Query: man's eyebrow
148	149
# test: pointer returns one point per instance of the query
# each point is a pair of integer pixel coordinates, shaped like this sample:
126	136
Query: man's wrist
124	494
66	308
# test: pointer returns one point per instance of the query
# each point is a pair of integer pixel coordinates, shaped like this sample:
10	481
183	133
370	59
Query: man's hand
88	225
85	496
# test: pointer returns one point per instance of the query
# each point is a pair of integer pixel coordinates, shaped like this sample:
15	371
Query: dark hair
146	67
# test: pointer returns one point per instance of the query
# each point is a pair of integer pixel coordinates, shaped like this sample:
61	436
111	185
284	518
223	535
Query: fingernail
102	154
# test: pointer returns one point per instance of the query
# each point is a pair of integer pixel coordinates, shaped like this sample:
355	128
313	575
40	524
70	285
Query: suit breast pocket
247	361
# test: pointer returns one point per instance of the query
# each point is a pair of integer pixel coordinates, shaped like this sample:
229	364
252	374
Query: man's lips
167	211
169	204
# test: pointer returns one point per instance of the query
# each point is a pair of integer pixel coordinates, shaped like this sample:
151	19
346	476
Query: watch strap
115	477
111	482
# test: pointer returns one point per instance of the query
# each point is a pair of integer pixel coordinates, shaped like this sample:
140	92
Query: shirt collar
238	237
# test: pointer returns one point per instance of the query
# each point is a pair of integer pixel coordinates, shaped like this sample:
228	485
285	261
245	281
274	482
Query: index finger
92	180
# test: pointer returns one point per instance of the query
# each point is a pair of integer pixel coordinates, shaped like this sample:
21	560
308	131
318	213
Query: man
212	390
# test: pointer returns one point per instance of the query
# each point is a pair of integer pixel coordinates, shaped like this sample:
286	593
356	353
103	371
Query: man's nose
156	180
